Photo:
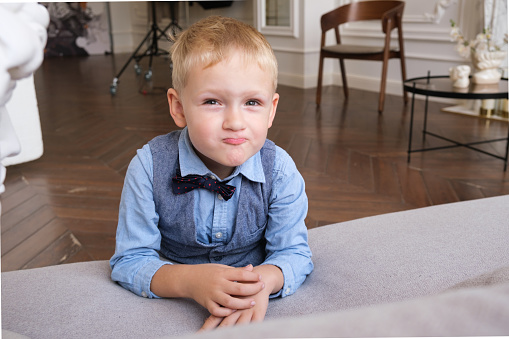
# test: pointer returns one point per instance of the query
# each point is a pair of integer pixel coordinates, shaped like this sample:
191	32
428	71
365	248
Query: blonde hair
211	40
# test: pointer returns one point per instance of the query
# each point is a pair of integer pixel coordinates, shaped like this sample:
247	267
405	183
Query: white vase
486	66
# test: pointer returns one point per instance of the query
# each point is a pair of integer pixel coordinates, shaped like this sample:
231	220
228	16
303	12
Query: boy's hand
253	314
273	277
223	289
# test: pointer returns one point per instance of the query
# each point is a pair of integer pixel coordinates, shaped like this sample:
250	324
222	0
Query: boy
239	237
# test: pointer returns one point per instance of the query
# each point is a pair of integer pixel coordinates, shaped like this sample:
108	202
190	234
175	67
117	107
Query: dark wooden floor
63	207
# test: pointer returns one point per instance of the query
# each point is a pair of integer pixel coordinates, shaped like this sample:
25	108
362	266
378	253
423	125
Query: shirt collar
190	163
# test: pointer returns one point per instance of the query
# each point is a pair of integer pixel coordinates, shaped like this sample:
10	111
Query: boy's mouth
234	141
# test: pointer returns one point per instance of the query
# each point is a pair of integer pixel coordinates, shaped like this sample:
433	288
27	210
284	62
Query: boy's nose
233	120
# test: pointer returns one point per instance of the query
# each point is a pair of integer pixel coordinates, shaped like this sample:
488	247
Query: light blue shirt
138	238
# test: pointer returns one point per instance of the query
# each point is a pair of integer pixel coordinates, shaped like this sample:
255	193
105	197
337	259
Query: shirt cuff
288	276
143	278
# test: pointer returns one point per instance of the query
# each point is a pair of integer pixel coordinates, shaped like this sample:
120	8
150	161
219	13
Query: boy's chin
236	161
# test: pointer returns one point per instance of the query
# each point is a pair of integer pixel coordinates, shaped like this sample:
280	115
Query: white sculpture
22	41
459	76
487	64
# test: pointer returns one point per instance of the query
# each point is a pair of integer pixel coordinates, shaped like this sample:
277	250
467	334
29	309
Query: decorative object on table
459	76
485	53
487	63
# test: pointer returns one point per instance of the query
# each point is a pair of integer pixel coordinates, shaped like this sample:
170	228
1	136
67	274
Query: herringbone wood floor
63	207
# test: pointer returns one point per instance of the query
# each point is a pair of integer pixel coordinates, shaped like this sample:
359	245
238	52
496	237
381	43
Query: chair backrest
390	12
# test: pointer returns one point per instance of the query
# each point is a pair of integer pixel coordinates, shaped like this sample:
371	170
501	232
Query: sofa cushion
478	311
497	276
397	256
370	261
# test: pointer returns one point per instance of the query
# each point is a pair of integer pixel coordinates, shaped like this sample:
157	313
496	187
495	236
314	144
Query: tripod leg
153	50
153	46
114	84
133	55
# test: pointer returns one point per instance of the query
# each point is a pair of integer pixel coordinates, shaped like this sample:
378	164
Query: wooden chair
390	14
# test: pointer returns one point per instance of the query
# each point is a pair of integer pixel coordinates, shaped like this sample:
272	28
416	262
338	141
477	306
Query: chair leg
402	59
403	77
320	79
381	98
381	102
343	77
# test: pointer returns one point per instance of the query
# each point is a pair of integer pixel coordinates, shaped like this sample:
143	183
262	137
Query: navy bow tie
188	183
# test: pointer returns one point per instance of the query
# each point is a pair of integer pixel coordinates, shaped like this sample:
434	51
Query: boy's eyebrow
248	93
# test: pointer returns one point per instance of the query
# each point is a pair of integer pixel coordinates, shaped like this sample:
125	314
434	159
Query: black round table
441	86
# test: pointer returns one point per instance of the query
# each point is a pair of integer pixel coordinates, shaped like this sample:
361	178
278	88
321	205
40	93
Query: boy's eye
210	102
252	103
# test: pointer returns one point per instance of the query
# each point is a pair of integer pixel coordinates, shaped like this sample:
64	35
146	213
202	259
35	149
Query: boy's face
227	109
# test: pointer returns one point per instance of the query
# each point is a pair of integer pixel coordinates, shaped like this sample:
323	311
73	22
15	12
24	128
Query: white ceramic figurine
459	76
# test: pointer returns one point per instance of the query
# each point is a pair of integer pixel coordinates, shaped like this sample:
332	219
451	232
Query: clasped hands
231	295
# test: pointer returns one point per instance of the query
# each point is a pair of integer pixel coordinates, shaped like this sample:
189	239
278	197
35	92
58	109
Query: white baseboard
393	87
354	81
303	81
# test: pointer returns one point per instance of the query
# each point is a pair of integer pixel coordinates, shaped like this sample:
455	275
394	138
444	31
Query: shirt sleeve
286	233
138	239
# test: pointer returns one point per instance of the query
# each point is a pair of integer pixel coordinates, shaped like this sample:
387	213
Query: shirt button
220	197
213	177
144	294
287	291
219	235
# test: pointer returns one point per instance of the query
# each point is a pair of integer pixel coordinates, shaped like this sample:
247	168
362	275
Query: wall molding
435	57
416	56
394	87
297	80
409	33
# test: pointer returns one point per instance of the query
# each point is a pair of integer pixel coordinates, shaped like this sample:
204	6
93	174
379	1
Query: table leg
425	119
411	126
506	150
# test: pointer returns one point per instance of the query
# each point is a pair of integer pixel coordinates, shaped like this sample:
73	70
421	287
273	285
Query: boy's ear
176	108
275	101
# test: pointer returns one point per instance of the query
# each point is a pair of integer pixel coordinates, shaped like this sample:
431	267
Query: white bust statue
22	39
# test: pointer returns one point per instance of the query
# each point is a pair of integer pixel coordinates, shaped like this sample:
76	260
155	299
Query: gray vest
176	212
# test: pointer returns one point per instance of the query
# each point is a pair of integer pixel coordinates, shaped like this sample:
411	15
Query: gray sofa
436	271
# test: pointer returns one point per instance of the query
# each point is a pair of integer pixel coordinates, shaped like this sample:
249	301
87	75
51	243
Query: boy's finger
232	303
230	320
258	316
245	318
211	323
244	275
242	289
217	310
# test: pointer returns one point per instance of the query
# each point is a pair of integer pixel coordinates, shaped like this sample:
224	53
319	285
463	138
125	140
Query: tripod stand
153	49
